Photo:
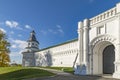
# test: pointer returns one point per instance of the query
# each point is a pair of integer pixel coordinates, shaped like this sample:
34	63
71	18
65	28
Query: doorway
108	59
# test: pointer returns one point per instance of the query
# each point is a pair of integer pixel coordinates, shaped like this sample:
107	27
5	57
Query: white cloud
57	30
16	57
52	31
17	47
60	30
14	46
11	24
18	44
28	27
15	54
58	26
3	30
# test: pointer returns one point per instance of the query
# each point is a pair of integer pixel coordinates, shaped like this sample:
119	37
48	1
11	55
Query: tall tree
4	50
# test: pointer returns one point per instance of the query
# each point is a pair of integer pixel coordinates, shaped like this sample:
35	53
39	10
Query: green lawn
65	69
19	73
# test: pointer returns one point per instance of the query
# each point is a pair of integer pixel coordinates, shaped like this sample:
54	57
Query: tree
4	50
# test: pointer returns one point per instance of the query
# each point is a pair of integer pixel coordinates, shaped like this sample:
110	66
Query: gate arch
97	46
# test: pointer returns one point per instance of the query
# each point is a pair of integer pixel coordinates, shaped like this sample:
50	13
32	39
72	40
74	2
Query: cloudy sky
54	21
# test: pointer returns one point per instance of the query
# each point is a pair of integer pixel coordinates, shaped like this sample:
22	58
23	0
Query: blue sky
54	21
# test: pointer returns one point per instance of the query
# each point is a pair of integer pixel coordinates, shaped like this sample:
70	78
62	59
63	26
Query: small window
100	30
28	43
36	45
32	43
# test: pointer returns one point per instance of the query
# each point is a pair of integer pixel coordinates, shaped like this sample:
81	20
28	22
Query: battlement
103	16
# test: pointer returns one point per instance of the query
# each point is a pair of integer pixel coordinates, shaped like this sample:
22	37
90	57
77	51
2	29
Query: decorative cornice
101	38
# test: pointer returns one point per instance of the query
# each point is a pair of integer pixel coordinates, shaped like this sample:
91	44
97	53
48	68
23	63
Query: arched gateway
102	55
99	44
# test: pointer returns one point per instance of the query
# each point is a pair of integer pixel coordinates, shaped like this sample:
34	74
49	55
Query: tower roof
32	37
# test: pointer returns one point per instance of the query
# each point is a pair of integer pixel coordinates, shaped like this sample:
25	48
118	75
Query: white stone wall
99	31
28	59
106	24
109	27
62	55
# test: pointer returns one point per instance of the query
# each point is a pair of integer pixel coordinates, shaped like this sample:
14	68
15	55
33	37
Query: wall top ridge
69	41
103	16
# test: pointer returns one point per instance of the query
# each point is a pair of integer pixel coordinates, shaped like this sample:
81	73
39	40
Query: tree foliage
4	50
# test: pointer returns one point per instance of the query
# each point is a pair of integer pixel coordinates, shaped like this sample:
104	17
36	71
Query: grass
65	69
19	73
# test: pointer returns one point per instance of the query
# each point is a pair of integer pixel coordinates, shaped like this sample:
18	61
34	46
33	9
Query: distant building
96	51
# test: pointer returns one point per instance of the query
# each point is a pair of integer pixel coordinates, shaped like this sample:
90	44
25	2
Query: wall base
80	70
116	75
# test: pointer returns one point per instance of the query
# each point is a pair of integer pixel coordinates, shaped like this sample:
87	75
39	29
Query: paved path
60	75
58	72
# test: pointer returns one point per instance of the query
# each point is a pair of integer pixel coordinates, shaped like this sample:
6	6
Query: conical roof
33	37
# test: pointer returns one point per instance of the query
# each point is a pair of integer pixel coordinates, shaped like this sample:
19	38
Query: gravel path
60	75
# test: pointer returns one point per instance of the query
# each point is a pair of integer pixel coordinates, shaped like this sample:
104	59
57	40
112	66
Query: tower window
32	43
28	44
36	44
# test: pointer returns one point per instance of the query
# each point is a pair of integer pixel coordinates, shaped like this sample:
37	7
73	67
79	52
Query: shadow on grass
24	74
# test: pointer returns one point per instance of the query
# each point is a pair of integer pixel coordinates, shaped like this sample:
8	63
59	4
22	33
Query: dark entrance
108	59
